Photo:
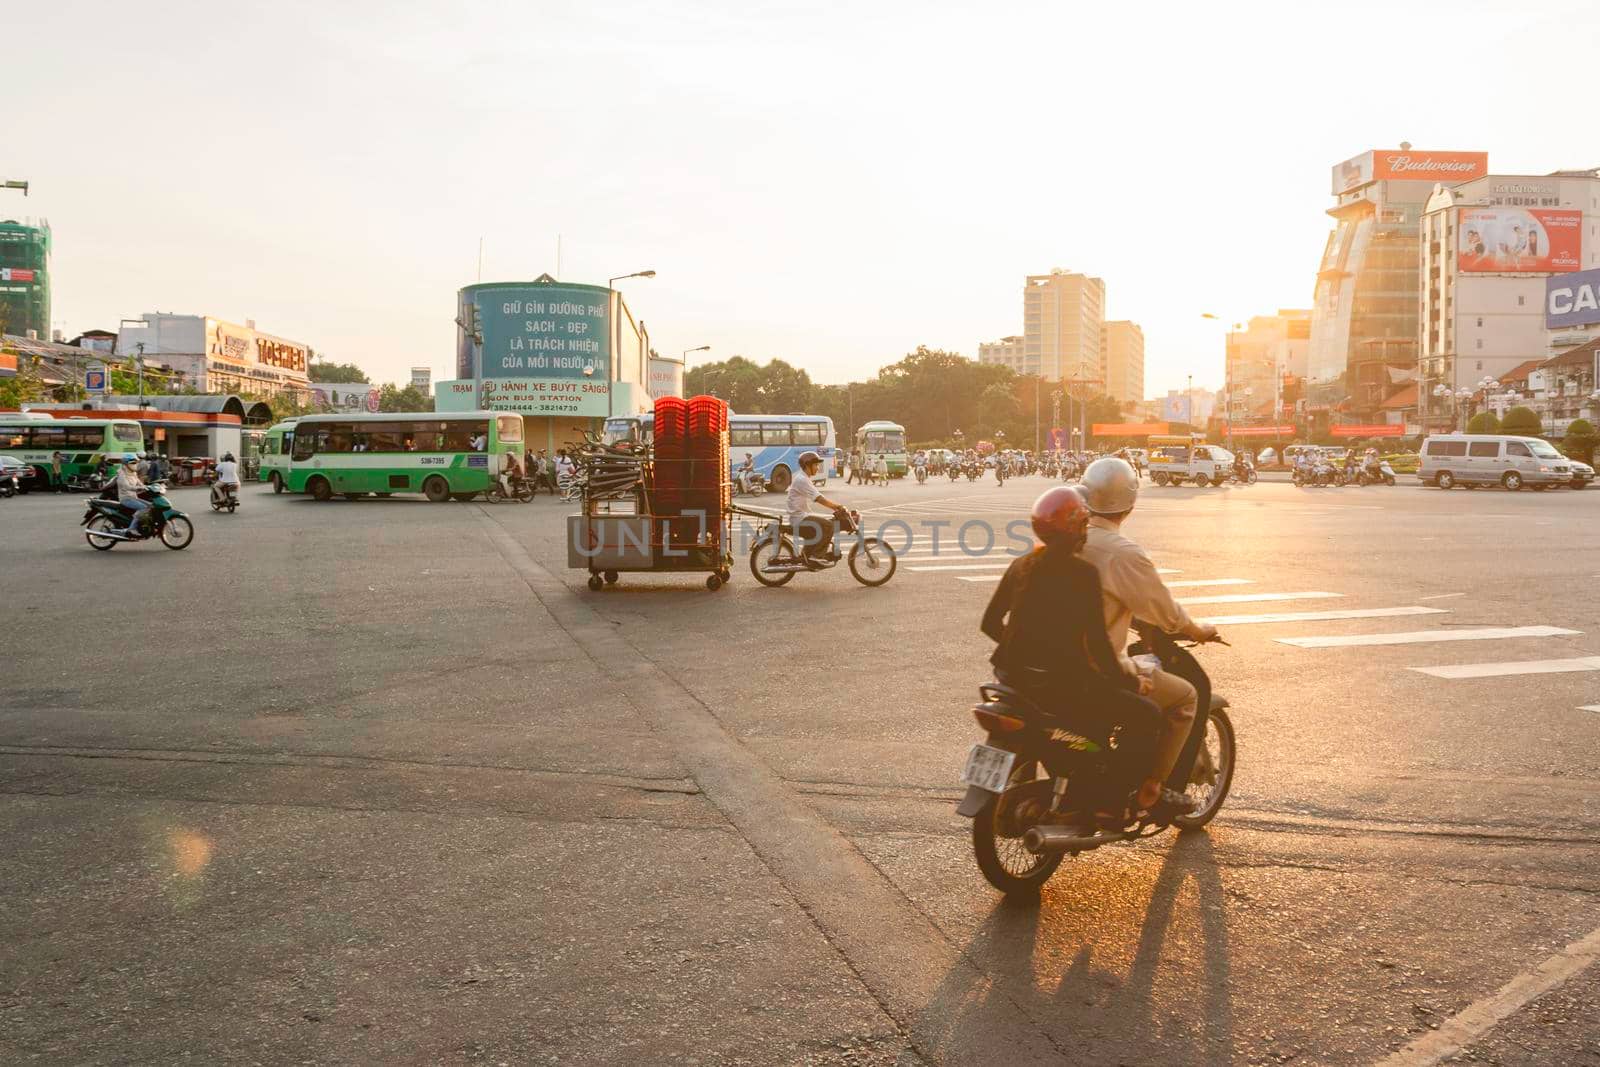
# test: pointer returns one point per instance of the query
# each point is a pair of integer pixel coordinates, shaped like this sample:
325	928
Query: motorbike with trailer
1034	782
774	560
108	524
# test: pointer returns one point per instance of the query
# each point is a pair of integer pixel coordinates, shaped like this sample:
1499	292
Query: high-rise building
1488	247
1062	313
422	380
25	279
217	356
1122	360
1006	352
1267	360
1364	322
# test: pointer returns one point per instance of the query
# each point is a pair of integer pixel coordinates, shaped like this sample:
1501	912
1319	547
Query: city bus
441	456
774	442
276	446
887	439
83	443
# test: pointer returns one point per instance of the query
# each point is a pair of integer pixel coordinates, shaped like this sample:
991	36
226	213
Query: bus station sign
526	396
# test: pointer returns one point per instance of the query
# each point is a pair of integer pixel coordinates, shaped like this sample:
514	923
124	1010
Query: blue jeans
135	505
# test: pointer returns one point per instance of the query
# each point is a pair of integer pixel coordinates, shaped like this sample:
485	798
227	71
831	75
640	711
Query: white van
1474	459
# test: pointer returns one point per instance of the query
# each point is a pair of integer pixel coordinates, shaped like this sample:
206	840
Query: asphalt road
382	781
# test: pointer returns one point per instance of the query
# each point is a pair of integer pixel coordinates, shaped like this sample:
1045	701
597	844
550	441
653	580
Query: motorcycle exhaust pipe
1050	840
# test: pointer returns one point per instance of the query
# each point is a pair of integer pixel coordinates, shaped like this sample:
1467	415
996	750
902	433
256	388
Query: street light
687	351
16	185
611	364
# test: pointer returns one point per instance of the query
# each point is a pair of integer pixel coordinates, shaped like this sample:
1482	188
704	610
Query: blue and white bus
774	442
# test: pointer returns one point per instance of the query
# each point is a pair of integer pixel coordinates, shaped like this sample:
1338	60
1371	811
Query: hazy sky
832	184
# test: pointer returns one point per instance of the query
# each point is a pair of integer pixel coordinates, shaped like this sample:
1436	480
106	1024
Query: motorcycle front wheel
765	552
872	562
1213	772
1006	864
177	533
97	526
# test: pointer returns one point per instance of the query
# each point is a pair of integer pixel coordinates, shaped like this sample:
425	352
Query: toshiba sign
1406	164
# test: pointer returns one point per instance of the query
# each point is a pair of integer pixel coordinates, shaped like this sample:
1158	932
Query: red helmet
1060	514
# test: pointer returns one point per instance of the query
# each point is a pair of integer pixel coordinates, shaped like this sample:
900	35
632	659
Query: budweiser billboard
1406	164
1519	240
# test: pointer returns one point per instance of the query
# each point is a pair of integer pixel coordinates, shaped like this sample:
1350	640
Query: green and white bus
887	439
455	454
83	443
440	456
275	449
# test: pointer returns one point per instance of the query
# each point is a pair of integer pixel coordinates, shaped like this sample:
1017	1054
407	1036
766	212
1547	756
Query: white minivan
1474	459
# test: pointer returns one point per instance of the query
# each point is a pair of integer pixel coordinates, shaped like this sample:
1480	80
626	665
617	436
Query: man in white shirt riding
813	533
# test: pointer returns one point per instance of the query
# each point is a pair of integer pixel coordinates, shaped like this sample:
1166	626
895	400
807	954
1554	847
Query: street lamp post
616	333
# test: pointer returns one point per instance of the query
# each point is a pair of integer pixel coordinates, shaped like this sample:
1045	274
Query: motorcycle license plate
988	768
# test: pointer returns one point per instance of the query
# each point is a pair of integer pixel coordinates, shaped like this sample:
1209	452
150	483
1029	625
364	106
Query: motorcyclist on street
747	474
129	486
813	533
1133	589
1047	620
227	474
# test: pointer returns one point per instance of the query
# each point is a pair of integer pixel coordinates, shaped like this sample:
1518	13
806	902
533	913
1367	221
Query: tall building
1122	360
422	380
1006	352
1364	320
25	278
1062	314
1488	247
217	356
1267	361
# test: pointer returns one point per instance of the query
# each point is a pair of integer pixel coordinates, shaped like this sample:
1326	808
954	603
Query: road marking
1501	670
1474	1021
1174	570
1419	637
1589	707
1321	616
979	578
1244	598
1440	596
963	567
1210	581
996	577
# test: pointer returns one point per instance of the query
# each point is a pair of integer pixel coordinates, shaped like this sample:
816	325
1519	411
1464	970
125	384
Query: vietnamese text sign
1519	240
1572	299
544	396
544	331
666	378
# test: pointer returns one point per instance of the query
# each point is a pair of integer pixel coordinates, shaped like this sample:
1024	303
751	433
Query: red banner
15	274
1263	431
1382	429
1127	429
1519	240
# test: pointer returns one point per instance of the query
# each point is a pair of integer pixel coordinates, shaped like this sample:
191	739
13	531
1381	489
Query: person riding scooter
129	486
227	478
813	533
1133	589
746	476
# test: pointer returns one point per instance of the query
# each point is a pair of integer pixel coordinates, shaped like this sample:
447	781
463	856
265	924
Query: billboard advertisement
544	331
1175	408
341	396
666	378
1408	165
1518	240
1572	299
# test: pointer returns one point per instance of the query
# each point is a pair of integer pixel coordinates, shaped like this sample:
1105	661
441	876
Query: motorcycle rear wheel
100	543
1220	747
765	551
1005	863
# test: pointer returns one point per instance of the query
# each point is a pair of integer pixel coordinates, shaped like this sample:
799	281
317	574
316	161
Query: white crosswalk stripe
1245	598
963	567
1321	616
1459	671
1589	707
1210	581
1418	637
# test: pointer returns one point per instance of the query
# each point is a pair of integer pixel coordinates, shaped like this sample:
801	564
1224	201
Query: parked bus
276	446
773	441
83	443
438	455
886	439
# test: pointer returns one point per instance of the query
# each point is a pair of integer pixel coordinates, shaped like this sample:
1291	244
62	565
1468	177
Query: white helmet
1110	486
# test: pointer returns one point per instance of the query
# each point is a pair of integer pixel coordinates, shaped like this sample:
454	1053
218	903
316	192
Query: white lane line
1501	670
1321	616
996	577
964	567
1210	581
1589	707
1173	570
1245	598
1420	637
980	578
1475	1020
1441	596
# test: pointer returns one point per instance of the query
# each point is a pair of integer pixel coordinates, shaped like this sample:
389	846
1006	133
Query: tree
1580	441
393	398
1522	422
1484	422
321	371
